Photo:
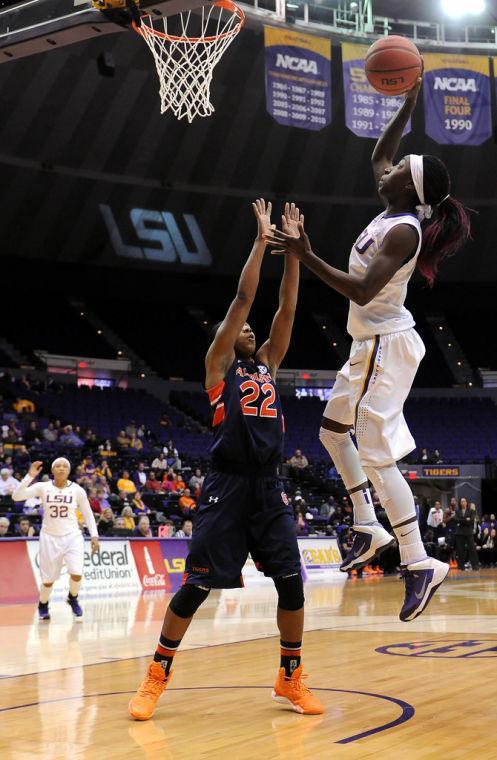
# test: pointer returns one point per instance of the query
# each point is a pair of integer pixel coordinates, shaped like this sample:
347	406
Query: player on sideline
372	386
60	536
242	507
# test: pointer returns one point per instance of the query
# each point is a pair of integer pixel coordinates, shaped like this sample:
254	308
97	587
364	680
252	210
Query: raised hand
290	219
412	94
290	245
263	215
35	469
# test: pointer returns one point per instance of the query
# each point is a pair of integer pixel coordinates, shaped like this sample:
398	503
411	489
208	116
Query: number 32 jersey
247	421
60	506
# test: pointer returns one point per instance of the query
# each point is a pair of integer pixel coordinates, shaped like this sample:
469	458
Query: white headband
59	460
424	209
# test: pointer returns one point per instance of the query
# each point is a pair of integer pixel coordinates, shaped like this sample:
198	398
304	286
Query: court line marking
407	710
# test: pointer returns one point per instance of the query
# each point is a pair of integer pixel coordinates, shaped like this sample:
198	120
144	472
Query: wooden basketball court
393	690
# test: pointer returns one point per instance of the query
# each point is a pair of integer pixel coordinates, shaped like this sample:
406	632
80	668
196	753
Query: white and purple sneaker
421	580
74	605
369	542
43	612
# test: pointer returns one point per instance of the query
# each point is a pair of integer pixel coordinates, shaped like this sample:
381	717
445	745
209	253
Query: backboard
37	26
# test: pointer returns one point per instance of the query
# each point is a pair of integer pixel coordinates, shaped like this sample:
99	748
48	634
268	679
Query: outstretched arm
221	353
399	244
273	351
24	490
388	144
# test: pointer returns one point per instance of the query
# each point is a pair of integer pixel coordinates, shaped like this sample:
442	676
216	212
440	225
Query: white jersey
59	506
386	313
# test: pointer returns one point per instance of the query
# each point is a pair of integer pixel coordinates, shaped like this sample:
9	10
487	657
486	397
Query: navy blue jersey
247	421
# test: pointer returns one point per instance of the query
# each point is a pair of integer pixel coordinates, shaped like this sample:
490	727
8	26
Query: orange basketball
393	64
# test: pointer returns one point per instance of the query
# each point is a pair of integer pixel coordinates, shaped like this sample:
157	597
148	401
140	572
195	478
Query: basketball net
185	63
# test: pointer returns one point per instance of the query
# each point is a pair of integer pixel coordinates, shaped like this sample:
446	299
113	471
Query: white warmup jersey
59	506
386	313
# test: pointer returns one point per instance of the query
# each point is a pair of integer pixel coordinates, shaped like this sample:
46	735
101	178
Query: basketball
393	64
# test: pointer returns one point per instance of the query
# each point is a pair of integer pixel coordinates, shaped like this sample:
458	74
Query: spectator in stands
4	528
129	520
125	483
120	528
95	505
153	484
139	506
196	481
186	503
135	443
465	542
424	456
50	433
172	455
160	462
70	438
89	466
23	405
32	434
106	523
141	432
122	440
298	461
300	524
25	529
22	459
186	529
13	434
164	420
430	543
103	470
140	476
435	517
487	545
327	509
143	529
102	499
8	483
130	429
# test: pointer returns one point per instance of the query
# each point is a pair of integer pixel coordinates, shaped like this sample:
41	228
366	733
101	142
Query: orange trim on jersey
219	415
216	392
185	577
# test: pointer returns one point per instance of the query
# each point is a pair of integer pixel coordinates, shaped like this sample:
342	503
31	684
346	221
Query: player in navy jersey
242	506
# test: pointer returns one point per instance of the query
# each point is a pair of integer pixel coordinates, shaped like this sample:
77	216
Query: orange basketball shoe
293	691
142	705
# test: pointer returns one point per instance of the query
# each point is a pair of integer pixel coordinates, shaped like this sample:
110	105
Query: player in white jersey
371	388
61	539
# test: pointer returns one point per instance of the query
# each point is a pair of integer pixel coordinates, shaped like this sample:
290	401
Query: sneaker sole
419	610
366	558
288	702
138	717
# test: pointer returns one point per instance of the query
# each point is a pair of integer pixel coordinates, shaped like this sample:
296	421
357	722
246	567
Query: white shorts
54	550
370	391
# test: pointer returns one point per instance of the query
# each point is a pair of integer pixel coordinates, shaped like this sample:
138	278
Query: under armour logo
215	499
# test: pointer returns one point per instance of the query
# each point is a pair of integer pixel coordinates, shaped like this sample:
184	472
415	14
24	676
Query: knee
187	600
49	585
76	578
290	592
332	426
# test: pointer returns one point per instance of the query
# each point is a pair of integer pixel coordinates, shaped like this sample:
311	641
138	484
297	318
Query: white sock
45	592
345	457
397	500
74	587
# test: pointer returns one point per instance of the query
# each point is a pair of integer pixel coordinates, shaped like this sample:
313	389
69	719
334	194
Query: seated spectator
172	454
298	461
89	466
430	543
130	429
153	484
25	529
32	434
185	530
22	405
424	455
196	481
105	524
70	438
94	502
22	459
166	529
4	528
186	503
129	520
122	440
486	547
8	483
125	483
50	433
141	432
11	433
326	510
140	476
139	506
135	443
300	524
160	462
120	529
103	470
143	529
102	500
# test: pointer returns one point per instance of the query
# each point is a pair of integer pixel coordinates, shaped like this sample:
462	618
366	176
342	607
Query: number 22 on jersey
250	400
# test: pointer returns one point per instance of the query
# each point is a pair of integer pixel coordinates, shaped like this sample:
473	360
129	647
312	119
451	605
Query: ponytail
443	237
449	228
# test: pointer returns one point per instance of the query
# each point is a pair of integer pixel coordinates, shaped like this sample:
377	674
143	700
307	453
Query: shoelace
151	687
299	685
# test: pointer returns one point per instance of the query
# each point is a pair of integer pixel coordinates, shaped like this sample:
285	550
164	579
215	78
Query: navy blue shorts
238	514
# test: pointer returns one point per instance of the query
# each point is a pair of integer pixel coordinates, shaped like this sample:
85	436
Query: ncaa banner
298	78
367	112
457	98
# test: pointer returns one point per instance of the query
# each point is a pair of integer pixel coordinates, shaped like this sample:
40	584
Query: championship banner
367	112
457	98
298	78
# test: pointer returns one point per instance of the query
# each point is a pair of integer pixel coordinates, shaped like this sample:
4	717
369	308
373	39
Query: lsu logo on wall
455	84
296	64
175	565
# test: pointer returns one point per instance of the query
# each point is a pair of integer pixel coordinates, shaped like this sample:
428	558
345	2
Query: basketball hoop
185	63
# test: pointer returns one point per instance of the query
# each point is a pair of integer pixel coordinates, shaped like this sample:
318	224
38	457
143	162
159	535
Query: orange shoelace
151	687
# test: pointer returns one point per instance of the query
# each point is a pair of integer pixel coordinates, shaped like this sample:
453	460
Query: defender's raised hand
291	245
290	219
263	215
